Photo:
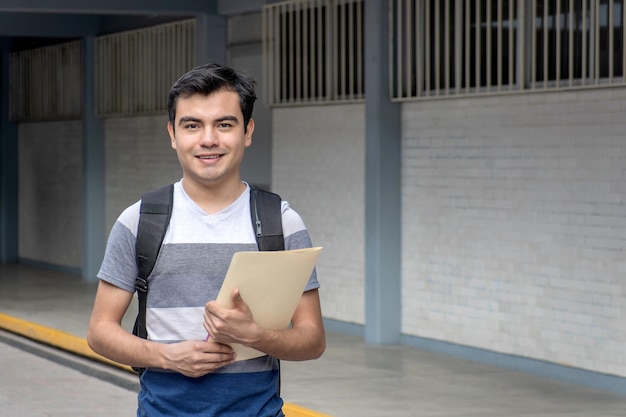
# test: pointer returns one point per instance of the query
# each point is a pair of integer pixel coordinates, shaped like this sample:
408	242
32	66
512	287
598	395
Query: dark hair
209	78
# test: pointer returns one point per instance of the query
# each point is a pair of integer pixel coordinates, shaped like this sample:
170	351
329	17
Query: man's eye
191	126
224	125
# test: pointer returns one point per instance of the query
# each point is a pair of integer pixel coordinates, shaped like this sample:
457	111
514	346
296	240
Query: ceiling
27	24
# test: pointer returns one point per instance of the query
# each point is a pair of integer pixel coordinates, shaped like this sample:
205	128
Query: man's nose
209	137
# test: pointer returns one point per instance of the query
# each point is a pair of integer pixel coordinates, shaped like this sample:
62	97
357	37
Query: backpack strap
267	220
266	214
154	217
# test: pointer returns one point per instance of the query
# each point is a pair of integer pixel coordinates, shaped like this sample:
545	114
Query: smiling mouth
209	156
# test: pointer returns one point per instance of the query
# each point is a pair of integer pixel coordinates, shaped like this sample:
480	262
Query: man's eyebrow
186	119
227	118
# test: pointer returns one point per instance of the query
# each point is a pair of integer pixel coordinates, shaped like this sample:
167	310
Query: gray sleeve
297	237
119	267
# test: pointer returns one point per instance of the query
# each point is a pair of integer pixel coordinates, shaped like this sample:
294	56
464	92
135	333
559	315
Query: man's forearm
117	344
294	344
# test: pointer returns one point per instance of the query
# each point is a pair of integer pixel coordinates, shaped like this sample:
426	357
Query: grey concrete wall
50	193
138	158
514	225
319	157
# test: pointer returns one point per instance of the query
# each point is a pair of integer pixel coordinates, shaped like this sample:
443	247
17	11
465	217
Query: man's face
209	139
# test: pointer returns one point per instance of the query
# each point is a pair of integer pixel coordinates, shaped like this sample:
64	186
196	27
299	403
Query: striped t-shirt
189	271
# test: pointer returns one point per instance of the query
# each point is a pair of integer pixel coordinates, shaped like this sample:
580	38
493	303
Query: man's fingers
237	300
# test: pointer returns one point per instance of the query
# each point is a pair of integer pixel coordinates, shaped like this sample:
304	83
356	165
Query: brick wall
138	158
318	159
514	225
50	193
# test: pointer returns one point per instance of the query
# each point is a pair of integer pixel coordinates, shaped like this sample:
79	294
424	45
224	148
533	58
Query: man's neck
213	198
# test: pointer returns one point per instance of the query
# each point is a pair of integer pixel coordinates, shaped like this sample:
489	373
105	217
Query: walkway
351	379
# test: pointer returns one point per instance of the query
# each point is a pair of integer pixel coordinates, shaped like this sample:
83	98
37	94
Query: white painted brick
138	158
525	193
318	159
50	193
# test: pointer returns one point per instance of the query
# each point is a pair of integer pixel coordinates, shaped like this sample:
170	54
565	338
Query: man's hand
303	340
231	325
195	358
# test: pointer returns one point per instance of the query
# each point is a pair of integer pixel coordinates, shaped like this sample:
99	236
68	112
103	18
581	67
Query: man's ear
170	130
249	132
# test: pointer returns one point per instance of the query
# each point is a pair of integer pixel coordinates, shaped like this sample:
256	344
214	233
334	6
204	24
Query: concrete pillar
382	185
211	39
94	238
8	167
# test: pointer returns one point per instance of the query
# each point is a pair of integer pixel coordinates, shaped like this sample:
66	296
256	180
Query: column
382	185
93	170
8	167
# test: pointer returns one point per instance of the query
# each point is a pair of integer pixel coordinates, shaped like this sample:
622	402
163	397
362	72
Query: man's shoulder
130	216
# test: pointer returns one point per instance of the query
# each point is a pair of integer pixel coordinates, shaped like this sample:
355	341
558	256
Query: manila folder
271	283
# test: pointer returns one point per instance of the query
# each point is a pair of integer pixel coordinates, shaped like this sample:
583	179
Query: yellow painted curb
77	345
293	410
55	338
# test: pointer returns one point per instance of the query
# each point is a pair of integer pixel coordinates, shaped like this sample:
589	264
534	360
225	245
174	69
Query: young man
210	126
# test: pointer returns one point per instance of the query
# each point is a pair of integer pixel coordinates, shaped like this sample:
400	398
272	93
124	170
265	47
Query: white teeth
209	157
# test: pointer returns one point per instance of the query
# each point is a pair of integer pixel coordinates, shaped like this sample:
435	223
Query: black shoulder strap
267	220
155	213
266	213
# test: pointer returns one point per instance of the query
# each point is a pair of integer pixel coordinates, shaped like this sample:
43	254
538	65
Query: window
45	83
313	51
454	47
135	70
587	35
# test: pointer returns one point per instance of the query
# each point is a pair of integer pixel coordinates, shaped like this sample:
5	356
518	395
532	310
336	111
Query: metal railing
443	48
313	51
135	70
45	83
